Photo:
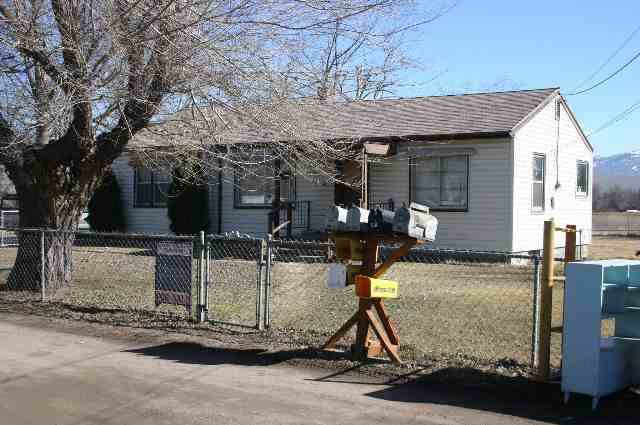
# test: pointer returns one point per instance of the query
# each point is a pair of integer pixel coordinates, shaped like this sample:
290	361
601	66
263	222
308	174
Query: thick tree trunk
54	203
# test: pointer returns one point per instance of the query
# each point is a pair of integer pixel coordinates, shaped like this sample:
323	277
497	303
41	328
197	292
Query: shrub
105	207
188	203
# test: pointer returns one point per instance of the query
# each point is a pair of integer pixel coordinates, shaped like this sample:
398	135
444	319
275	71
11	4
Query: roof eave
534	111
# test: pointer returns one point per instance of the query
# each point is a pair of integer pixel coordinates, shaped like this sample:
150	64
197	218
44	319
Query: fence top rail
223	238
102	234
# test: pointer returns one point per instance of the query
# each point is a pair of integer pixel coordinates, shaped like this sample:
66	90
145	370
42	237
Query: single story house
491	166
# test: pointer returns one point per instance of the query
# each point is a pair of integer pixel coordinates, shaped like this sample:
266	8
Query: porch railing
297	215
385	205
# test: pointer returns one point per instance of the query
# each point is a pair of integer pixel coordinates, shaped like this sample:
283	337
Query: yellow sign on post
368	287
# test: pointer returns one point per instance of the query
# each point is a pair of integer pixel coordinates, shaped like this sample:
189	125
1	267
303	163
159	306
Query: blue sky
498	44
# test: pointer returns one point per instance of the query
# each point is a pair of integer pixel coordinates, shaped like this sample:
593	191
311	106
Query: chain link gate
234	275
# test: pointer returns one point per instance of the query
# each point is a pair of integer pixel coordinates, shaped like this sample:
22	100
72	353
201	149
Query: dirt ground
65	371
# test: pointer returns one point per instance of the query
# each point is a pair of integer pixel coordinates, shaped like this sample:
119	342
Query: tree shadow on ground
516	396
194	353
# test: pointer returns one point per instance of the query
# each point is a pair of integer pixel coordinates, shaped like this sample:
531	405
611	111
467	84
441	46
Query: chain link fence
452	304
102	273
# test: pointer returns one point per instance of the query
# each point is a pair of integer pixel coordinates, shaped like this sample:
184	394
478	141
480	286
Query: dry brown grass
603	247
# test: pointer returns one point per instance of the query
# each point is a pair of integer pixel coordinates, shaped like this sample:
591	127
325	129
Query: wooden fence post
570	243
546	303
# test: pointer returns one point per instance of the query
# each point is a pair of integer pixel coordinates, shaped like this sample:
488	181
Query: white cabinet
593	364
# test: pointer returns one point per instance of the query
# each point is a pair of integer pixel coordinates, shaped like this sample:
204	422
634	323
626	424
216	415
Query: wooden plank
362	332
386	322
331	343
384	237
374	349
382	337
570	244
395	256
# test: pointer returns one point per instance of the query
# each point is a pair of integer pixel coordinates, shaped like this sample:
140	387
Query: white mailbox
594	364
416	222
336	219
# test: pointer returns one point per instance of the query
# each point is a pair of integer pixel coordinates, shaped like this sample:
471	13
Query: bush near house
105	207
188	206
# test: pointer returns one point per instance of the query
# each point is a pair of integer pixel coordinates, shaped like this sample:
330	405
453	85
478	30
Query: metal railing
295	216
385	205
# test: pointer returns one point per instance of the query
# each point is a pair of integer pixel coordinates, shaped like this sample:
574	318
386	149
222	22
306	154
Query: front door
348	194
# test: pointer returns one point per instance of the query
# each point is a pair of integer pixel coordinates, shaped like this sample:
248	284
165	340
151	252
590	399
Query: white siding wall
254	221
321	196
249	221
539	136
486	224
138	220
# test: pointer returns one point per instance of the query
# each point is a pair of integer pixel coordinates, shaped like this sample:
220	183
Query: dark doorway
349	172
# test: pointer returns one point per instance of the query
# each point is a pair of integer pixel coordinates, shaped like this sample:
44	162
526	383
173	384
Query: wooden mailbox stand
364	318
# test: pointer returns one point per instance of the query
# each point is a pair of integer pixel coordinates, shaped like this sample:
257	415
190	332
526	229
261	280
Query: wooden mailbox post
368	308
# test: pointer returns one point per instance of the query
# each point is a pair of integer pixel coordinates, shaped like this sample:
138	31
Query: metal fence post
260	284
206	278
267	286
202	307
536	310
43	279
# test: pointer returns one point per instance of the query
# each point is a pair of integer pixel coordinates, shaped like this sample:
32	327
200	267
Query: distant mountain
621	169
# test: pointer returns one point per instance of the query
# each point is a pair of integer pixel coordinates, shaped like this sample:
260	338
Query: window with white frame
255	188
537	182
442	182
151	188
582	178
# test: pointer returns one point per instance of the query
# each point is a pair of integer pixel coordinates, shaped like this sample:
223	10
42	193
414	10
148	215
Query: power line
617	118
601	82
609	59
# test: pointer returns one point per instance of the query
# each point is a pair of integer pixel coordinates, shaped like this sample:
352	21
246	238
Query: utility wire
609	59
617	118
601	82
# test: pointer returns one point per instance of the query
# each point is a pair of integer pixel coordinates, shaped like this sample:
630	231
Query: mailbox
336	219
357	220
416	222
381	220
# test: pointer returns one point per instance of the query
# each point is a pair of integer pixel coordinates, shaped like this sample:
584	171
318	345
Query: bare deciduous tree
80	78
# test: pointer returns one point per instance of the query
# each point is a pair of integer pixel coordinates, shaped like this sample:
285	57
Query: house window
442	182
151	188
582	180
256	188
537	185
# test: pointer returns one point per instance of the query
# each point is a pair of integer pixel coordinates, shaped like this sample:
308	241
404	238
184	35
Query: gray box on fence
173	273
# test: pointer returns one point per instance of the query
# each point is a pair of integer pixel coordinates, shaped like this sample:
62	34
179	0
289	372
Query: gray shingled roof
412	118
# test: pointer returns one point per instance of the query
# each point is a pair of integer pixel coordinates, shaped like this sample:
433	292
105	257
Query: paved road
56	378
